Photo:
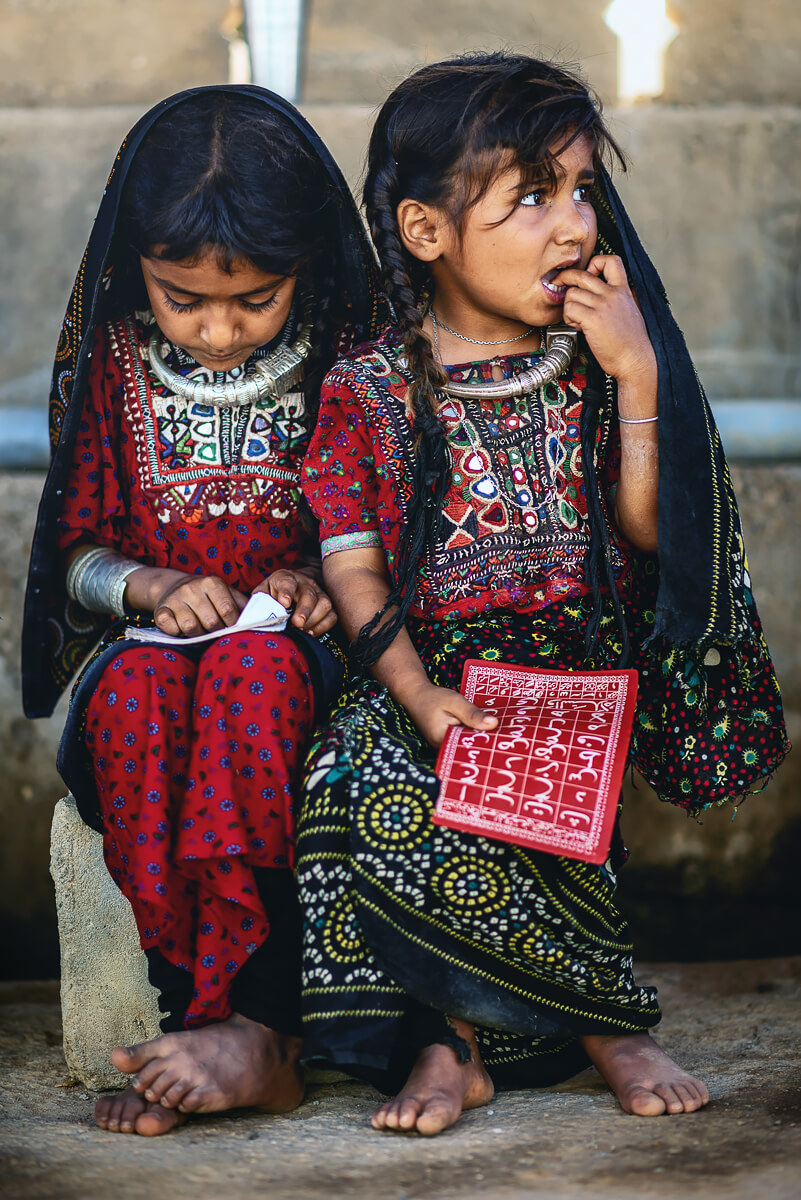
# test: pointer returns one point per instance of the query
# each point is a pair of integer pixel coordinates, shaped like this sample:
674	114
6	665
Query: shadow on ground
735	1024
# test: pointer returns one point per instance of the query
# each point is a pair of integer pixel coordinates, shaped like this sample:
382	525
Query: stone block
106	1000
356	53
734	50
90	52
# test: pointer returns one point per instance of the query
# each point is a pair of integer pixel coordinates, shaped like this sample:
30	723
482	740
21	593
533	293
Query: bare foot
439	1089
237	1063
644	1079
128	1112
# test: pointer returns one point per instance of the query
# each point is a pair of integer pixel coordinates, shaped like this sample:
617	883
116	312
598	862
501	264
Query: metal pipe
767	430
274	32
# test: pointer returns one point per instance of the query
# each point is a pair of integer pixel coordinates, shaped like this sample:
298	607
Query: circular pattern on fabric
395	819
466	883
342	937
532	944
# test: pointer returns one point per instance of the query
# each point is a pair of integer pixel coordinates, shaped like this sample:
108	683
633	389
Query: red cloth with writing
549	775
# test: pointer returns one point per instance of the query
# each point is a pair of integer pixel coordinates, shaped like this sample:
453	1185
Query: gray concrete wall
714	188
103	52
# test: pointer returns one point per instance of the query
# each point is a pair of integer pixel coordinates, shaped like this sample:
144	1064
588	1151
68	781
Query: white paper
262	612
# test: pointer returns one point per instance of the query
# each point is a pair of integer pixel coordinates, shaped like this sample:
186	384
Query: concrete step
729	50
698	180
88	52
357	52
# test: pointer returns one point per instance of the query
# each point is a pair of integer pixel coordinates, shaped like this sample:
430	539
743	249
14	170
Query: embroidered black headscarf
702	598
57	632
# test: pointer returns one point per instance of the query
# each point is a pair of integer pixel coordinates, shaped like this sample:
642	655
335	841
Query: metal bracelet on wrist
96	580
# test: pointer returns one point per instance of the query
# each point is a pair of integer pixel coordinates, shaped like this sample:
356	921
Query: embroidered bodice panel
198	460
172	484
515	529
515	513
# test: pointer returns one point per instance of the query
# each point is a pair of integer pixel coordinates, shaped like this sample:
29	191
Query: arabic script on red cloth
549	775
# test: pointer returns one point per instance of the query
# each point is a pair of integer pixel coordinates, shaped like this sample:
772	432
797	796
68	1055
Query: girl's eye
582	193
262	306
533	199
179	308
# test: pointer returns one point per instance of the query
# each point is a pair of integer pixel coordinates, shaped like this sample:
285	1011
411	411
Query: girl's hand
435	710
194	604
601	304
313	611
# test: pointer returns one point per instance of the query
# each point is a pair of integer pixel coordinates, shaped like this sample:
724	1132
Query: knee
254	658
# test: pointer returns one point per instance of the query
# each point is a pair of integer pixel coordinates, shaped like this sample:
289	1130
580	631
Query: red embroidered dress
515	528
195	755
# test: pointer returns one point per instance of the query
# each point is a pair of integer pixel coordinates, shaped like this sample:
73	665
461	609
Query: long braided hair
440	138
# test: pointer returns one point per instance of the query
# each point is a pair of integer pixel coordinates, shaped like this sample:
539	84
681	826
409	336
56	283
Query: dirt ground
734	1024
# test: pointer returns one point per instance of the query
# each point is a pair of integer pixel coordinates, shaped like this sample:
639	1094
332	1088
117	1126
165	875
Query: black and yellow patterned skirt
408	923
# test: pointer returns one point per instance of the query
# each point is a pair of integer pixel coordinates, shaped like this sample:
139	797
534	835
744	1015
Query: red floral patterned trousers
196	764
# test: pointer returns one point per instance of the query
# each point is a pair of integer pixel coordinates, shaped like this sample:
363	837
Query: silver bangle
97	580
637	420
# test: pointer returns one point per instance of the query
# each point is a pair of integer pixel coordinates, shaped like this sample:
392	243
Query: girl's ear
420	228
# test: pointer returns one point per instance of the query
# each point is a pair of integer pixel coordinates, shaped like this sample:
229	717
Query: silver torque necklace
437	321
561	342
273	375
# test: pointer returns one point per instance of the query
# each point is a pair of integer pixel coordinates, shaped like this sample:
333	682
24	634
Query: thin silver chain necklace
437	321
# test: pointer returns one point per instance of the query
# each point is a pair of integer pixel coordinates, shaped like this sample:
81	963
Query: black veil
57	632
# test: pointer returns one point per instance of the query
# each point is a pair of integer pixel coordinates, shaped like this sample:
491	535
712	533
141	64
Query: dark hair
220	171
440	138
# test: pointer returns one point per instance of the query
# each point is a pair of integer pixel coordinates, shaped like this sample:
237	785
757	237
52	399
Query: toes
175	1093
378	1119
687	1098
392	1118
103	1110
645	1103
131	1059
162	1083
147	1075
156	1120
108	1113
436	1116
118	1113
694	1095
408	1112
673	1095
192	1101
388	1115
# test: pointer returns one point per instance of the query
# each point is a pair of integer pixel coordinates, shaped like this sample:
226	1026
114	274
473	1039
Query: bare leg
439	1089
237	1063
645	1080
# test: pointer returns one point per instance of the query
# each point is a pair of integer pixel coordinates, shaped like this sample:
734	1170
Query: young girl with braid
469	509
224	260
